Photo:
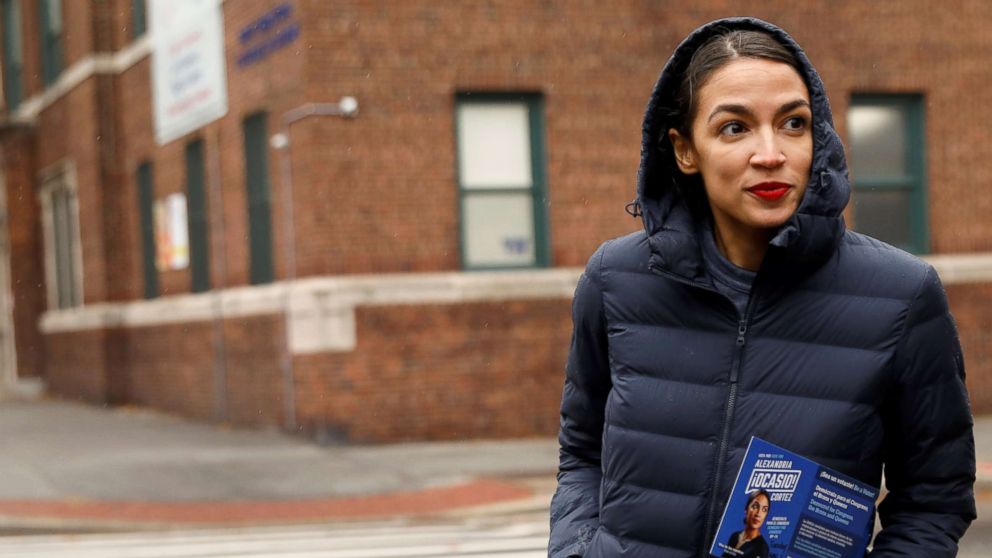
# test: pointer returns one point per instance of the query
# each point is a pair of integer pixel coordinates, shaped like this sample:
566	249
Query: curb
471	499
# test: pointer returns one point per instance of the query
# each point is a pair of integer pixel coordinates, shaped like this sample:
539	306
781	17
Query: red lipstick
769	191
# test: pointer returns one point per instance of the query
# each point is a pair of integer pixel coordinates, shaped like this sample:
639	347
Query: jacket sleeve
929	444
575	505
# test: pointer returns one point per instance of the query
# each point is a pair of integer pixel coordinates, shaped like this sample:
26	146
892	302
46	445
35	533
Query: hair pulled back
752	496
712	55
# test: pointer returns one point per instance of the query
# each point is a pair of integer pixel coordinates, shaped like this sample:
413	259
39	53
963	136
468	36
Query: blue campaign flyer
786	506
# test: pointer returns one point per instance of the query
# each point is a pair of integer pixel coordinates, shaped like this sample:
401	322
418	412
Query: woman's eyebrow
742	110
793	105
731	108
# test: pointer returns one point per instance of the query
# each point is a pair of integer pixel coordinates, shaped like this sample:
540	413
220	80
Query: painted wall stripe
962	268
322	309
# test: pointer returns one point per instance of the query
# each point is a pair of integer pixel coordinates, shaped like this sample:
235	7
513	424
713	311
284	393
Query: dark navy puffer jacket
846	354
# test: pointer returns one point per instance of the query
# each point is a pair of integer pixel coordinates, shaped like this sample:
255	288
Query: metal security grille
259	194
146	200
198	230
138	21
13	56
51	40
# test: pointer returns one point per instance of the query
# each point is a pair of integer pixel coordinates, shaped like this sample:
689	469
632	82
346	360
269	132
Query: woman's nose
768	153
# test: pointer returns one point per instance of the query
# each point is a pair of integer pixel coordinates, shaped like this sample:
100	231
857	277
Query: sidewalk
77	467
68	465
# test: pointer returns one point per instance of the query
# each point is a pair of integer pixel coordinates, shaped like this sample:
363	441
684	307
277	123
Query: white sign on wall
189	76
171	233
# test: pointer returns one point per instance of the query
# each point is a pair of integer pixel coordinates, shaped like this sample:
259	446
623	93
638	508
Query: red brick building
403	269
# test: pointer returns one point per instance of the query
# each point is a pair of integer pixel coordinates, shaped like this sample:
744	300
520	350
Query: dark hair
753	495
712	55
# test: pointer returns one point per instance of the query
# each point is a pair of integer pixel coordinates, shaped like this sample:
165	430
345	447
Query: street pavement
112	481
76	466
477	539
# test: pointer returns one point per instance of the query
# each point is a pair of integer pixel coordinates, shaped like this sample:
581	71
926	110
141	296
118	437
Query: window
501	181
51	40
888	167
138	23
146	201
60	218
257	185
13	57
198	230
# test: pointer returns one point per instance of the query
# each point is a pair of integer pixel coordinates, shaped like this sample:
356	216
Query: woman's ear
683	152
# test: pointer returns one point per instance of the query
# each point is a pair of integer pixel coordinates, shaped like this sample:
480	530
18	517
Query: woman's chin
772	219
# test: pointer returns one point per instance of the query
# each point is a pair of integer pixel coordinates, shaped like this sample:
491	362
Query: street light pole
347	107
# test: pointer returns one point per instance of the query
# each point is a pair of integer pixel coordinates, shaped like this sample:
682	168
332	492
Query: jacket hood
813	231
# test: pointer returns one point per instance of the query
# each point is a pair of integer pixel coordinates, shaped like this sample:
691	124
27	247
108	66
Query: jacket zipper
728	416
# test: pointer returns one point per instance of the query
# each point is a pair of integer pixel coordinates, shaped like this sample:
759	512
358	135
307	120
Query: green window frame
887	140
13	54
261	269
197	217
146	212
502	181
139	23
51	40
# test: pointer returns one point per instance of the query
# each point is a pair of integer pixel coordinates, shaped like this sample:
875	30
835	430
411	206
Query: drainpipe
347	107
219	251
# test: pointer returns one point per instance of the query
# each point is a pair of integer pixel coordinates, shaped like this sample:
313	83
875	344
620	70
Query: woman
748	542
745	308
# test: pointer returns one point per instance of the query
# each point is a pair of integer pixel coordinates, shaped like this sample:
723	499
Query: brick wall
171	368
379	193
971	305
76	366
440	372
272	85
190	369
370	195
118	13
77	111
31	78
419	372
596	69
405	65
27	273
254	350
82	29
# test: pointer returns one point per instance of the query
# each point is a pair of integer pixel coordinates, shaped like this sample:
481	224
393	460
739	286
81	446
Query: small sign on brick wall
171	233
274	30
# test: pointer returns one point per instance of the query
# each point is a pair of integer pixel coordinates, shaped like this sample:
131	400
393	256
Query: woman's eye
795	123
732	129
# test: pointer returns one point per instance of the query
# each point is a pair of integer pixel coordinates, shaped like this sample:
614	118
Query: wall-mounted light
346	107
